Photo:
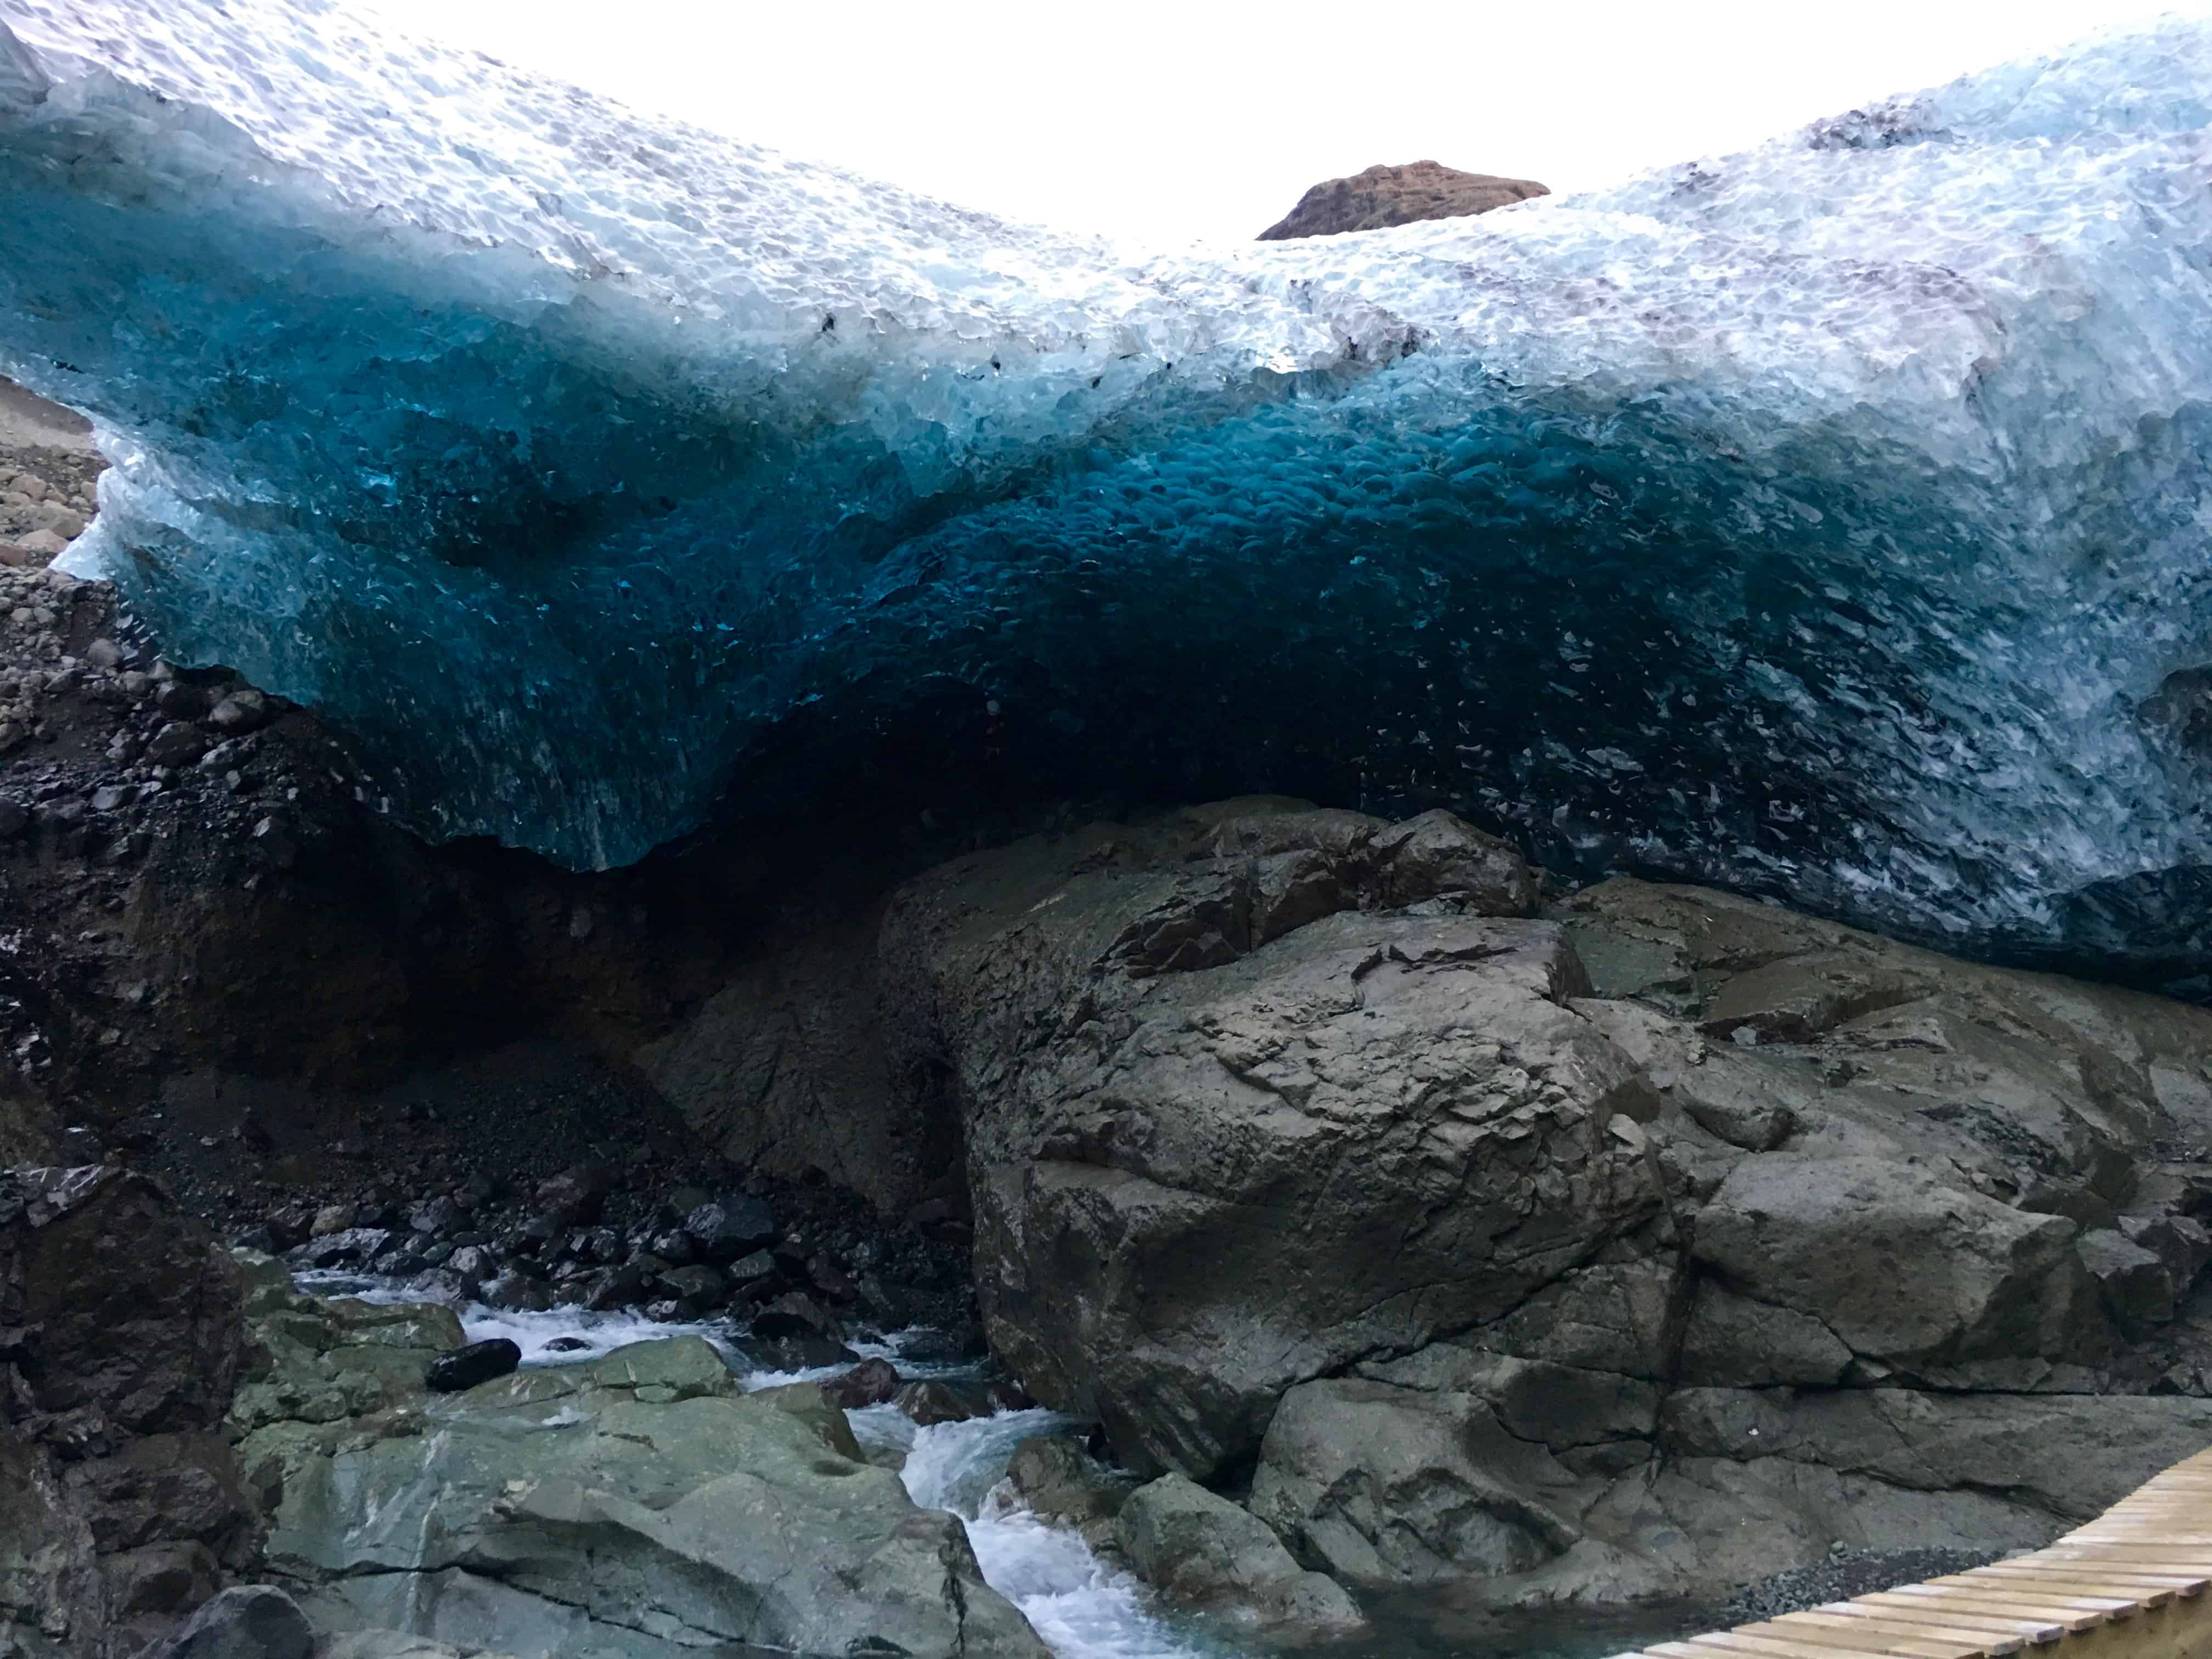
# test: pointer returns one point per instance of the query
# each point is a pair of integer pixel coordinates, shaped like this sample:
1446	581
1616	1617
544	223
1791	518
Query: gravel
1843	1576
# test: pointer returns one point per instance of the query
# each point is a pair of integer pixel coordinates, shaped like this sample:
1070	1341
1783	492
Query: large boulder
1384	196
640	1505
1228	1131
1481	1225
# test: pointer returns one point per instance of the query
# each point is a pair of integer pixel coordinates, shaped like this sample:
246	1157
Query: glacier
1829	520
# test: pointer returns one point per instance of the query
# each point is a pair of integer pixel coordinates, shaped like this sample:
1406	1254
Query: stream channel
1081	1607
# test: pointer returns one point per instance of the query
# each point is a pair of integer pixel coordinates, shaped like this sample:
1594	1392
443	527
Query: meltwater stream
1080	1606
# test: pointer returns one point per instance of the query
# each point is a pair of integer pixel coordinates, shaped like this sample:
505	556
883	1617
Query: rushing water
1080	1606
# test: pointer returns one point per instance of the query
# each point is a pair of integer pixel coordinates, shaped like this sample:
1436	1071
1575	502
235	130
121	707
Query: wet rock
660	1505
932	1403
871	1383
473	1263
728	1227
699	1288
1202	1551
615	1287
250	1621
799	1352
331	1219
1055	1479
464	1368
354	1247
794	1313
516	1291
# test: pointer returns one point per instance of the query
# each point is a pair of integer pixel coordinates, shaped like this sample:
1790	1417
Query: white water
586	1335
1080	1608
1078	1605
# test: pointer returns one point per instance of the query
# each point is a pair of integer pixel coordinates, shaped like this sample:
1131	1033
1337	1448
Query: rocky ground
223	968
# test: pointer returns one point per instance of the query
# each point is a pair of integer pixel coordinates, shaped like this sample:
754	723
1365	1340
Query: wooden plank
2075	1619
1727	1644
1809	1644
2038	1630
2147	1537
2119	1606
2073	1584
2146	1558
1864	1636
1842	1616
2156	1588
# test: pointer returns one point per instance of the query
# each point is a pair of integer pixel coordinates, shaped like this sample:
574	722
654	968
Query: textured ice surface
1819	518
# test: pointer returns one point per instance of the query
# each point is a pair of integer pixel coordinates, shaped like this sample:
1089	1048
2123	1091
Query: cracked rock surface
1635	1243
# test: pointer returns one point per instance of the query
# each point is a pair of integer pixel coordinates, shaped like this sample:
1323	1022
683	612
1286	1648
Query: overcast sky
1162	120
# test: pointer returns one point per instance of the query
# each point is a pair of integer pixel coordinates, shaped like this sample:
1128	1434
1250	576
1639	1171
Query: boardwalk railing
2130	1585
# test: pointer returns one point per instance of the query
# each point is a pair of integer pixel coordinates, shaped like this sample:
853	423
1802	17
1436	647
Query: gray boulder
1707	1237
1210	1160
1203	1552
640	1505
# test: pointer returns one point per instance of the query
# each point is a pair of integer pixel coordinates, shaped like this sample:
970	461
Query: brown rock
932	1403
1385	195
871	1383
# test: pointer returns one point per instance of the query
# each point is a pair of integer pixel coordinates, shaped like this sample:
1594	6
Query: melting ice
1826	519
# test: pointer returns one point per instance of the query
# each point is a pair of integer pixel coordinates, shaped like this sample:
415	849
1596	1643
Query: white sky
1159	121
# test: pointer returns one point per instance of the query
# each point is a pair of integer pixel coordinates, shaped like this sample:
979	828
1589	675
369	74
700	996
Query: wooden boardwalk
2130	1585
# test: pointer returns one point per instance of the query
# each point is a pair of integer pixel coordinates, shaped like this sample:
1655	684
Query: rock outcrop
638	1505
120	1347
1384	196
1227	1131
1638	1243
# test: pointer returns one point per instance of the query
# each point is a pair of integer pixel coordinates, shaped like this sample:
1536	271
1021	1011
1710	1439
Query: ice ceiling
1824	519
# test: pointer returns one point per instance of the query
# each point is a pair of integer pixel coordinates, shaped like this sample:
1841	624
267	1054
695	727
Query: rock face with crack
1227	1131
640	1506
1633	1244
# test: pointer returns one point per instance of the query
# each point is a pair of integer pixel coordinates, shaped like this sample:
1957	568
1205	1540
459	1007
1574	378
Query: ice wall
1818	519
